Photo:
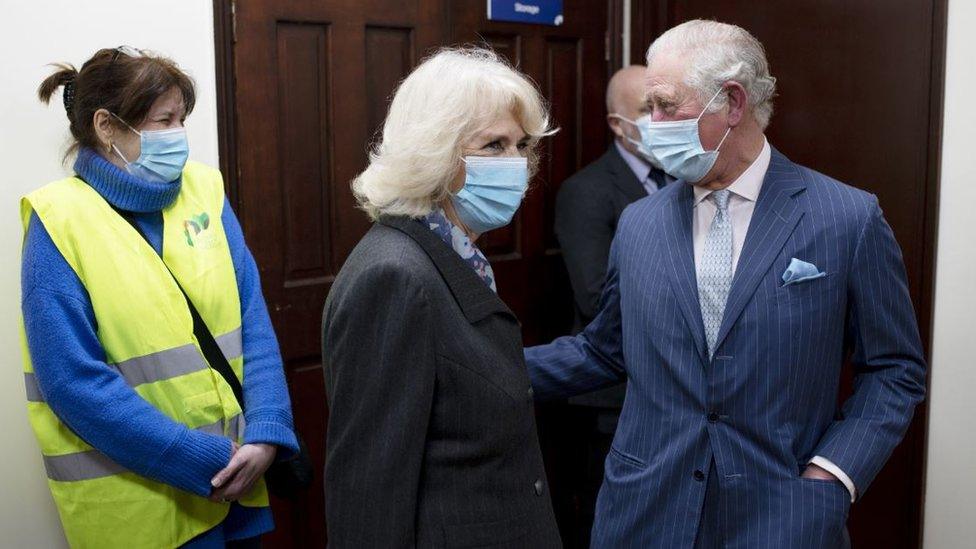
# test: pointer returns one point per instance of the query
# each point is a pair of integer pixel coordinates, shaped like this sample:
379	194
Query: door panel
319	77
313	81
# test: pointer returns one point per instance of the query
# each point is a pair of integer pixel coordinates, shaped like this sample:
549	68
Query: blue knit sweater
94	400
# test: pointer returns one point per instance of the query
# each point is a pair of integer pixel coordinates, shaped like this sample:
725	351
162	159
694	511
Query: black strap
211	351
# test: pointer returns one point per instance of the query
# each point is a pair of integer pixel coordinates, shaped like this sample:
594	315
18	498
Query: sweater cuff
271	427
193	460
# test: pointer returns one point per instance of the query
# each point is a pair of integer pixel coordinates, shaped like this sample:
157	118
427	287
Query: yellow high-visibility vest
146	330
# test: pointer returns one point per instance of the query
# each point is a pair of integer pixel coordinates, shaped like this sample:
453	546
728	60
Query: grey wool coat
432	437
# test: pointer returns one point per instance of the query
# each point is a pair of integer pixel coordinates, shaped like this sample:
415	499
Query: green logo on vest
196	233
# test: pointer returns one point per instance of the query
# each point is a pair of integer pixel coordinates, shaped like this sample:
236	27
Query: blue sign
540	12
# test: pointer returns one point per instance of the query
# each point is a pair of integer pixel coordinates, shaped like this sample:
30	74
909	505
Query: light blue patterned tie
715	272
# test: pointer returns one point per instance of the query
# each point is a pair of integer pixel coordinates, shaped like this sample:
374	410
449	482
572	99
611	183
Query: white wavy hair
450	97
716	53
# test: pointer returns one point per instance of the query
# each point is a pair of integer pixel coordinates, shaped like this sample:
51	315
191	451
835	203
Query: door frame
224	39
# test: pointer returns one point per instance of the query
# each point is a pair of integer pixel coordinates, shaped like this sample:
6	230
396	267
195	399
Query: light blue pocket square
800	271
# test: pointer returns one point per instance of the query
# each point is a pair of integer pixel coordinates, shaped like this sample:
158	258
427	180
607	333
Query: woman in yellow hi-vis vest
144	443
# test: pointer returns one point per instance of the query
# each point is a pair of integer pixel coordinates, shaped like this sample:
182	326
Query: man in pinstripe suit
732	299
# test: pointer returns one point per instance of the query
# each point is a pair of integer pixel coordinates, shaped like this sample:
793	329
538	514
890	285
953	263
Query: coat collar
473	296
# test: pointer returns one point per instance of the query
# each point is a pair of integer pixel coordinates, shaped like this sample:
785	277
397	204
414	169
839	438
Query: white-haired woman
432	440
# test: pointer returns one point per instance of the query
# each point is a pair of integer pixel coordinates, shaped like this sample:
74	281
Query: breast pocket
203	411
812	295
801	319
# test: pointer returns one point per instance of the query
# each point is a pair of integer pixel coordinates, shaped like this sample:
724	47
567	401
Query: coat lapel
680	250
776	214
476	300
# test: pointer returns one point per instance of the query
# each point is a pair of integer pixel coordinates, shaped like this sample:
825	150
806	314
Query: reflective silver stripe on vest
176	362
80	466
236	426
93	464
158	366
216	428
33	389
231	344
161	365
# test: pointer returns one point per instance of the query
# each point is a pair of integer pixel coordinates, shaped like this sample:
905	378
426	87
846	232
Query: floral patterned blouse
454	237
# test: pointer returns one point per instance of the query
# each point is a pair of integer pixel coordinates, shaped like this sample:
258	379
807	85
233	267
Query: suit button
539	487
531	392
712	417
699	476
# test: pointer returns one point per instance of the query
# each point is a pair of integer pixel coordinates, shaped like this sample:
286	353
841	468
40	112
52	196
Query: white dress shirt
744	192
640	167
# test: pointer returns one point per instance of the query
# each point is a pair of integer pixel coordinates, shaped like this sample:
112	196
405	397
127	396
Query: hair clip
127	50
68	96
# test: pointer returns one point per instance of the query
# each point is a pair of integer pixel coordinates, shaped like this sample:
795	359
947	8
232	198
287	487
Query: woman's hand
247	464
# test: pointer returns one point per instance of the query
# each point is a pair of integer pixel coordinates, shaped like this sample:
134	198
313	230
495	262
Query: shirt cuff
829	466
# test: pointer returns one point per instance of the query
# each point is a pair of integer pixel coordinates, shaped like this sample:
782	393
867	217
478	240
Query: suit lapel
623	177
680	250
776	214
473	296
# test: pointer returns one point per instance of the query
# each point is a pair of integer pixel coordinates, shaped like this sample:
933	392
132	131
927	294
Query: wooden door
303	85
312	82
570	64
859	98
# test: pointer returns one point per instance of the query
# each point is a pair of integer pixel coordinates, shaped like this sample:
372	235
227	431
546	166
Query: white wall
33	138
950	497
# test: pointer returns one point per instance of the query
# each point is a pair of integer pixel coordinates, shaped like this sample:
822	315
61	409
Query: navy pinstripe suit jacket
767	402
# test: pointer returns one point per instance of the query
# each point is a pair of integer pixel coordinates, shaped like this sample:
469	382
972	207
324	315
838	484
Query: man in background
590	202
587	209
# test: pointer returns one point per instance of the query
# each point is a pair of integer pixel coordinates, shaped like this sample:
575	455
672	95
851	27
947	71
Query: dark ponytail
124	81
63	77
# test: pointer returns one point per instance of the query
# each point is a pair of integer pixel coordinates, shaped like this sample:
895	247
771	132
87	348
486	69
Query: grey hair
717	53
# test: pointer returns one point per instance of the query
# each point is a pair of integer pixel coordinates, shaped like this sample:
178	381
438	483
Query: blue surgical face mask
162	154
676	145
493	190
642	149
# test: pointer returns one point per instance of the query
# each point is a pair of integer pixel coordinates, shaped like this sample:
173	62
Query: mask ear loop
115	148
709	104
727	132
624	118
633	123
122	156
119	118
